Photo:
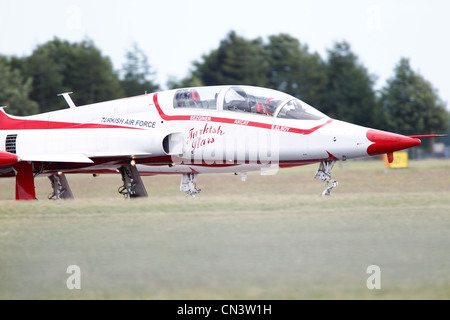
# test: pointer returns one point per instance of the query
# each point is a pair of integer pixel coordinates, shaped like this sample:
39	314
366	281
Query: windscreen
296	109
256	100
253	100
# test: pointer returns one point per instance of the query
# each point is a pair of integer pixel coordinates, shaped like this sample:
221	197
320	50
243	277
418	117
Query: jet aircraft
187	131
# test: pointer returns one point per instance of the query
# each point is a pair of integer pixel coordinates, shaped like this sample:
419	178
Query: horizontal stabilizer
77	158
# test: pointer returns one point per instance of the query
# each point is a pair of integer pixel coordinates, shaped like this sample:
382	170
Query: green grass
272	237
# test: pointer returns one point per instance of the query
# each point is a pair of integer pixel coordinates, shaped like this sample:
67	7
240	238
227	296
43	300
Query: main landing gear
324	173
133	187
61	188
188	184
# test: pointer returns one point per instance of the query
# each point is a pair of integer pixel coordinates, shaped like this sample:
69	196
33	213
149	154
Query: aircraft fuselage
186	131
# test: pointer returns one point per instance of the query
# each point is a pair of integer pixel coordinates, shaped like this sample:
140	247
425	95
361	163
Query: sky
175	33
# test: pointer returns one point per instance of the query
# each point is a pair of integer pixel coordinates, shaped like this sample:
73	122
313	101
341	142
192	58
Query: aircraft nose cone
387	142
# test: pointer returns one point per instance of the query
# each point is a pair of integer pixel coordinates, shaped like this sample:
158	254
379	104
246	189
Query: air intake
173	144
10	143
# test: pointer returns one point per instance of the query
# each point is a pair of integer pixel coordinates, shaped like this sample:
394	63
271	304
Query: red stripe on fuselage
8	123
233	121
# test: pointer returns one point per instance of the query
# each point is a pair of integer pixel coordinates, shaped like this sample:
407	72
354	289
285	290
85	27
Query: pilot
236	99
180	98
260	108
195	99
271	106
187	98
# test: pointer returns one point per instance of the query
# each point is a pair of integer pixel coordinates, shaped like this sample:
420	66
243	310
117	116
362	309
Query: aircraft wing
77	158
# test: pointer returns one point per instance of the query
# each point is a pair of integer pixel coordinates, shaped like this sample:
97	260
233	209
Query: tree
294	70
47	76
137	74
191	80
350	94
15	90
90	75
412	104
59	66
236	61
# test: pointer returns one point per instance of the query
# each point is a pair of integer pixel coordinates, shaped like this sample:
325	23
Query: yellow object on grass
400	160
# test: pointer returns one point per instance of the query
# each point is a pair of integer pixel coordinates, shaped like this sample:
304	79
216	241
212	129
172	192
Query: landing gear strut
188	184
324	173
61	188
133	187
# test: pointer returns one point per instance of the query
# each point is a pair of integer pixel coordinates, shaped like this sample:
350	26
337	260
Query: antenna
68	99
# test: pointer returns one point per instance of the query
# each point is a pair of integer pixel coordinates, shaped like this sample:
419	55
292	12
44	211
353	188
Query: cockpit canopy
262	101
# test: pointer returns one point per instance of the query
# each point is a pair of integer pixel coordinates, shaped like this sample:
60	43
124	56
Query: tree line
338	85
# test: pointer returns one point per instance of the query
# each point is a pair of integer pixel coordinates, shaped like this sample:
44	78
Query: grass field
272	237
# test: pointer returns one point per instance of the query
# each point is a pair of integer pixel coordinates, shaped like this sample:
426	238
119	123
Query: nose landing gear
188	184
324	173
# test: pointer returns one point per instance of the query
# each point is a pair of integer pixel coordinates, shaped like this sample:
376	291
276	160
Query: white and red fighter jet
189	131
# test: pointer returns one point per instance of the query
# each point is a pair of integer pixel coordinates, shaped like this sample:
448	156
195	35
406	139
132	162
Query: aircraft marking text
129	122
201	137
